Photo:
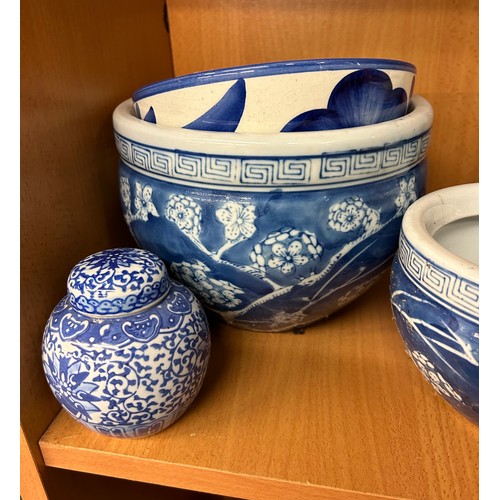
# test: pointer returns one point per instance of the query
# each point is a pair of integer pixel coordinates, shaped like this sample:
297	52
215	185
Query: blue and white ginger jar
126	351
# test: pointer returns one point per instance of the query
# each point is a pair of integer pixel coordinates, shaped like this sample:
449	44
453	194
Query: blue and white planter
284	96
272	231
435	293
126	351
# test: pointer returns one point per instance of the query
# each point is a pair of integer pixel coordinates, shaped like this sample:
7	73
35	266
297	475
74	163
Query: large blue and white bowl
272	231
435	292
284	96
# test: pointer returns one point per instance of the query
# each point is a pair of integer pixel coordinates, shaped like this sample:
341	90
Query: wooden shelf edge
31	484
192	478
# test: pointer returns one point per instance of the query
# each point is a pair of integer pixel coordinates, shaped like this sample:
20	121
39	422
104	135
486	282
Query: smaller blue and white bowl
435	292
285	96
125	352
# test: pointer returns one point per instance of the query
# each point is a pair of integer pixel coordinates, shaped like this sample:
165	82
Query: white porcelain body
272	231
435	292
281	96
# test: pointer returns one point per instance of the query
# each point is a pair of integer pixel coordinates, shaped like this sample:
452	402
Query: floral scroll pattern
119	382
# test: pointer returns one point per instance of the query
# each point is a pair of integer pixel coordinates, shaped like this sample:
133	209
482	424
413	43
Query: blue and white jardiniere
435	292
272	231
126	351
283	96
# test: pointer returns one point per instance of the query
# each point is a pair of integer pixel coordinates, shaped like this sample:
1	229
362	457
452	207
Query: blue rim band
268	69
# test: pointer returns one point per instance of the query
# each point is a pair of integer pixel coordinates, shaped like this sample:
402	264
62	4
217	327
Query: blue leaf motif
361	98
315	119
150	115
365	97
78	378
67	379
225	115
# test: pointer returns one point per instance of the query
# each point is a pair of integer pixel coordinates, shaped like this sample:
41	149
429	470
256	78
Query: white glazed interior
271	100
444	227
461	237
291	144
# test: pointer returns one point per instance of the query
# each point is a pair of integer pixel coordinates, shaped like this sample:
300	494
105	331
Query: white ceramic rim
283	144
433	211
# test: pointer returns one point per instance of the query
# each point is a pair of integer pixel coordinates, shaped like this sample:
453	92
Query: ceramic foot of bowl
435	293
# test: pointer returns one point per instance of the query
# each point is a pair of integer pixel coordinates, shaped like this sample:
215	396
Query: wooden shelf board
338	412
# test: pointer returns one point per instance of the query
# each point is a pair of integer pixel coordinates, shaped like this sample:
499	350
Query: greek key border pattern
270	172
462	294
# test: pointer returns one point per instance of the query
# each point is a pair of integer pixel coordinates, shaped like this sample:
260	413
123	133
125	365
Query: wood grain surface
31	485
339	412
78	61
441	37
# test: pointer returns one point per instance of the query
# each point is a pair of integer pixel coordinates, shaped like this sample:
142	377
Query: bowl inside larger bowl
287	96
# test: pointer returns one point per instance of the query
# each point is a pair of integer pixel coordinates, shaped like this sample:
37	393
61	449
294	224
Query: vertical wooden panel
32	487
439	36
78	61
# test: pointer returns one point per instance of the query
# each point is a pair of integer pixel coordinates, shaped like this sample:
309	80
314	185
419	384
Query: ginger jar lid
117	282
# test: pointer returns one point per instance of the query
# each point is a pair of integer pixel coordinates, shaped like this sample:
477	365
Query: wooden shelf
339	412
341	408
